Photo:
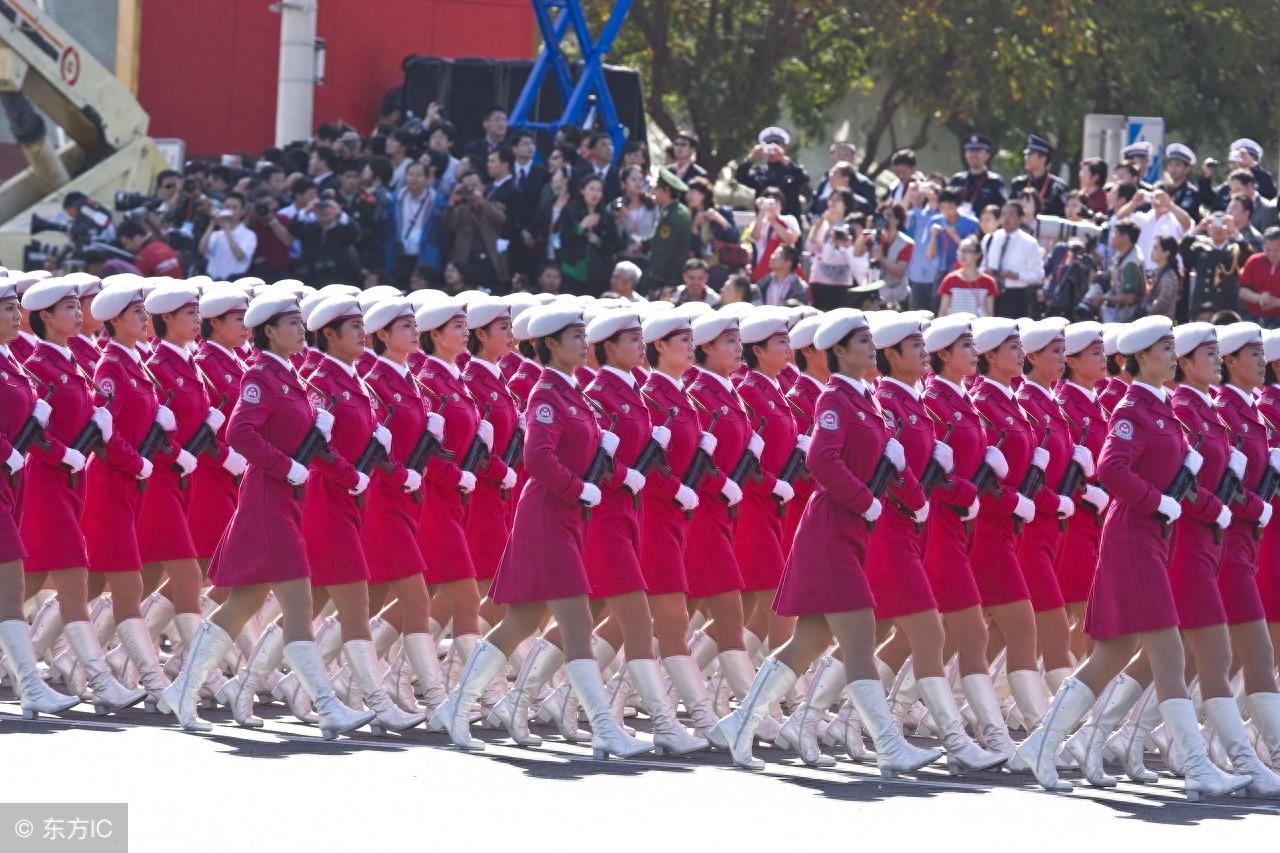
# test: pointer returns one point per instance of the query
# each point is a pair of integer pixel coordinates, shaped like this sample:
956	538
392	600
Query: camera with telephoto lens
126	202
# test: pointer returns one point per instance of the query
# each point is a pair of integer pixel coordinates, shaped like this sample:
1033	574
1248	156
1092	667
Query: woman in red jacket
1269	548
823	584
1131	601
18	405
543	566
53	498
803	396
263	549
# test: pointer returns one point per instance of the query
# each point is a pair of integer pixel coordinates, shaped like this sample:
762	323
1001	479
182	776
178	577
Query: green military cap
672	180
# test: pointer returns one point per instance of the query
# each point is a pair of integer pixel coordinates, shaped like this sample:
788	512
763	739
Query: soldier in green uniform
669	246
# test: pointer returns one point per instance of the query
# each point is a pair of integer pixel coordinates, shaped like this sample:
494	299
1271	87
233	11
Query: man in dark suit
520	196
495	134
600	162
530	176
686	167
502	190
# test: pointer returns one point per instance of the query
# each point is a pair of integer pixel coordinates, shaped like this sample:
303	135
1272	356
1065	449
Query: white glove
1267	509
147	468
412	481
609	441
1082	457
1066	507
687	498
873	511
895	454
435	425
484	429
362	483
383	437
41	413
324	423
466	482
15	461
1096	497
783	491
1273	456
1026	510
944	456
297	473
103	419
1224	518
756	445
215	419
234	463
590	494
74	460
633	480
921	515
1040	458
165	418
708	443
994	458
803	441
1192	461
972	512
509	479
186	462
1169	508
1237	462
662	435
731	492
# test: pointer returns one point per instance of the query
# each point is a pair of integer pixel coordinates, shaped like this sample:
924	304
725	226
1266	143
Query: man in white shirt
1014	259
1164	219
622	284
228	244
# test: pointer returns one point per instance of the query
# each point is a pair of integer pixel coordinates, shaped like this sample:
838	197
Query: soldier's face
1049	363
1177	170
675	353
10	320
1203	366
976	158
1246	367
1089	365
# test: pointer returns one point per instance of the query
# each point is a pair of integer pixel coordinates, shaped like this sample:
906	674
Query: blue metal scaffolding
555	17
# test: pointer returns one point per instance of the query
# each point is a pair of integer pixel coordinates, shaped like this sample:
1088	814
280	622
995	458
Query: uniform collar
346	368
571	381
857	385
228	353
1208	401
1159	393
402	369
487	365
1089	393
767	378
29	337
1004	389
959	389
452	368
65	352
675	381
910	389
722	381
132	351
623	375
285	363
1248	398
1048	395
183	352
4	352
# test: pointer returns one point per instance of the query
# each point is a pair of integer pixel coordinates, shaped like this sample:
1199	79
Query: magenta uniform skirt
1078	556
946	561
488	527
823	573
10	539
1237	576
1268	577
543	559
263	543
213	502
50	521
1131	591
163	530
612	548
112	508
664	531
1037	556
390	534
710	563
757	542
1193	575
331	528
994	559
442	534
895	567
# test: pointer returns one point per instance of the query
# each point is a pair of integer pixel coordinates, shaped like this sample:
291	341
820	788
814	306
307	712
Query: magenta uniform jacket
824	572
509	364
1078	554
523	381
947	544
23	346
803	396
1111	395
1239	548
612	551
17	399
1142	454
895	553
489	517
1193	573
1268	577
544	556
87	352
51	508
1041	539
390	529
788	376
442	534
757	542
710	561
331	518
213	489
113	499
995	546
665	529
163	530
263	542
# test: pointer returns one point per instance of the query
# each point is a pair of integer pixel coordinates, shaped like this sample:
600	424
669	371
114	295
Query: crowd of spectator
413	205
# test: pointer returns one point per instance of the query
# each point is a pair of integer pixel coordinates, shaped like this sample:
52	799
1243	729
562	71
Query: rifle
1182	488
374	455
155	440
650	454
203	440
477	454
30	433
699	465
599	464
879	481
313	444
425	447
983	478
1230	490
747	468
1031	482
792	469
1072	478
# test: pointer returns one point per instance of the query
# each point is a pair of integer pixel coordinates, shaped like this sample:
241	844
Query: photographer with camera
85	217
228	244
327	238
838	256
150	256
476	223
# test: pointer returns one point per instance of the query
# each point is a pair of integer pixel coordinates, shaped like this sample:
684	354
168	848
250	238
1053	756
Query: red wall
207	71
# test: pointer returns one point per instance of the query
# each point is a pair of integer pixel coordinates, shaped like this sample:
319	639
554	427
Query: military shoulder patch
1123	429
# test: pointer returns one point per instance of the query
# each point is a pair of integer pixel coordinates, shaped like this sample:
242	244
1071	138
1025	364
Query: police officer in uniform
1051	189
669	246
978	186
1179	159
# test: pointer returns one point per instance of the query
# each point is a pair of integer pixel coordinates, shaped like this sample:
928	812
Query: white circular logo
829	420
544	414
1123	429
251	393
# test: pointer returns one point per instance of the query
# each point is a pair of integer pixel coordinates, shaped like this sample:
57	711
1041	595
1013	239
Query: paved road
284	788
